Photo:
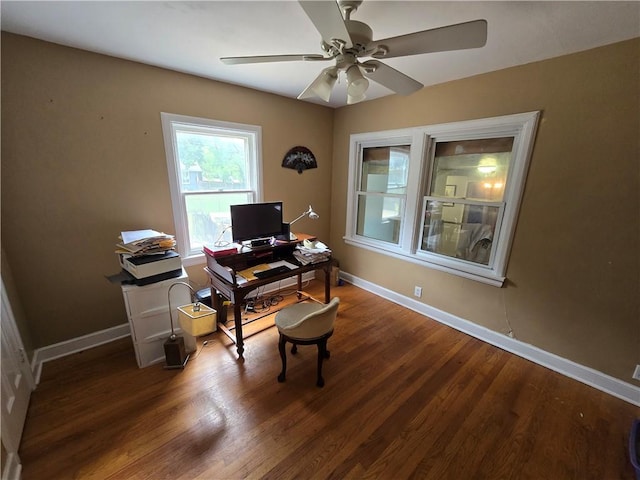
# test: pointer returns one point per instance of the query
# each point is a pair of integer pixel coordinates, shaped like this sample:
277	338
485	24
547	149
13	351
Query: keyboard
272	272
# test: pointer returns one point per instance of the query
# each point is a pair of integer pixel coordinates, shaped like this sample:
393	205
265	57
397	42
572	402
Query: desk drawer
150	301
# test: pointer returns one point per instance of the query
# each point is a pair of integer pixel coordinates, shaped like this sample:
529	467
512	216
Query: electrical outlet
636	373
417	291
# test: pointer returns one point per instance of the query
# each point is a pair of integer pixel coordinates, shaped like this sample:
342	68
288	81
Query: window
444	195
212	165
382	192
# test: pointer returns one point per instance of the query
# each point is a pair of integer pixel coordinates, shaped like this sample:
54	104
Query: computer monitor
254	221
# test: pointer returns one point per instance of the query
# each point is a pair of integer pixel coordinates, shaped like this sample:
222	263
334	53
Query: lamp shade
322	86
312	215
356	82
351	99
197	319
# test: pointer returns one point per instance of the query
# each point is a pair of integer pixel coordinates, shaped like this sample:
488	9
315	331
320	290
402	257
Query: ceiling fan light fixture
351	99
357	84
322	86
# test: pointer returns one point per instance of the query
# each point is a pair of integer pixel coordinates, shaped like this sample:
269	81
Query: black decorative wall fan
346	41
300	159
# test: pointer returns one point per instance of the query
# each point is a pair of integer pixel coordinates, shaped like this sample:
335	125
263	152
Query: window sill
194	260
490	278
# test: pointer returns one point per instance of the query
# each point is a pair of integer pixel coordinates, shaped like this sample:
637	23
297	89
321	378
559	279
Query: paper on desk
248	272
318	247
280	263
137	235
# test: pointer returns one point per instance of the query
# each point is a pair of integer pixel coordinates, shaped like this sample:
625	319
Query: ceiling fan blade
390	77
452	37
271	58
327	19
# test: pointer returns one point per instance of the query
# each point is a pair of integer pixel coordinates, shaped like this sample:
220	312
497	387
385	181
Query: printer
152	268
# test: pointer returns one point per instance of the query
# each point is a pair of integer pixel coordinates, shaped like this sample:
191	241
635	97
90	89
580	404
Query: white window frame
170	123
359	142
522	127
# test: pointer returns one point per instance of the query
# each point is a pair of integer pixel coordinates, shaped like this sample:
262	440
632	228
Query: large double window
443	195
211	165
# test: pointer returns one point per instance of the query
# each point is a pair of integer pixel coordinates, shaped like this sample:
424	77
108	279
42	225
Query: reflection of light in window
398	162
487	165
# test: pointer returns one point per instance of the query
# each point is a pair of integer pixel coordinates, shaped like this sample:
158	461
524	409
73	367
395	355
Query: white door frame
17	385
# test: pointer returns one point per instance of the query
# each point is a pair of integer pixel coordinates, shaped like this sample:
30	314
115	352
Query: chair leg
294	348
283	355
322	354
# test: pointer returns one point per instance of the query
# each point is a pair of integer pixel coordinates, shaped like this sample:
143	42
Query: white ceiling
190	37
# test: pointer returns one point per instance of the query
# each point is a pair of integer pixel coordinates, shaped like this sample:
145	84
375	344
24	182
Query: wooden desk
222	273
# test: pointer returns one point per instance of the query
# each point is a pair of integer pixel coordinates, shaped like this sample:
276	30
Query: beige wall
83	159
573	276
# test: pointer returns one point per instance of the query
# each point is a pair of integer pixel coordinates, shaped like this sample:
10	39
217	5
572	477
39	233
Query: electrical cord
261	303
199	350
218	242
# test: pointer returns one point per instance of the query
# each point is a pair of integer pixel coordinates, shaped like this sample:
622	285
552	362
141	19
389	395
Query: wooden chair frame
323	353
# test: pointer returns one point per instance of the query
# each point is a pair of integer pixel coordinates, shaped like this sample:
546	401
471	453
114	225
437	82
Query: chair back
316	323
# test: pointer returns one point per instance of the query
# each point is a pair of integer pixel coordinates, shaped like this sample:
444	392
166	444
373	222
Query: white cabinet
148	312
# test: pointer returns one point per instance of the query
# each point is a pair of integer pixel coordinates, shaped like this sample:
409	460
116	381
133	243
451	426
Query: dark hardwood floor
405	397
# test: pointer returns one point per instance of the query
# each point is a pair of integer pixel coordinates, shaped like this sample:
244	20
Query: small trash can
204	296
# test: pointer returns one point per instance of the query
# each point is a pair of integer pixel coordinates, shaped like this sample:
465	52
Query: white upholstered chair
306	323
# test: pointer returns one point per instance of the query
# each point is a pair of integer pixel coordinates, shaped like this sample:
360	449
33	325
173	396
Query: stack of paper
319	252
145	242
216	252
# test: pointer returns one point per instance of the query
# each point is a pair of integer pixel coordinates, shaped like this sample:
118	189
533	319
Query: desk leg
299	286
237	317
327	284
216	303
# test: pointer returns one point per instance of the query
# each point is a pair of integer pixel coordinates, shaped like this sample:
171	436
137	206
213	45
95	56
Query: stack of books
144	242
315	252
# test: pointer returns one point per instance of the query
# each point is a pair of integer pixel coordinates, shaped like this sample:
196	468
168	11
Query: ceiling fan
347	41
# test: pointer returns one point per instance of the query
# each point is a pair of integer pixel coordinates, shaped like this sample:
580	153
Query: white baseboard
606	383
74	345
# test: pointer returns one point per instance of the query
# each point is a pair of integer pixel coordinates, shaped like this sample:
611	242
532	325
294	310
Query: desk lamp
195	319
312	215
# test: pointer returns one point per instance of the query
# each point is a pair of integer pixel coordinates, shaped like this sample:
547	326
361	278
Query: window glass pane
459	230
208	215
385	169
379	217
212	161
472	169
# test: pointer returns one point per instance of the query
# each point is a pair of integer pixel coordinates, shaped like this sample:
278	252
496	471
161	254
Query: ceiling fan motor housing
361	36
